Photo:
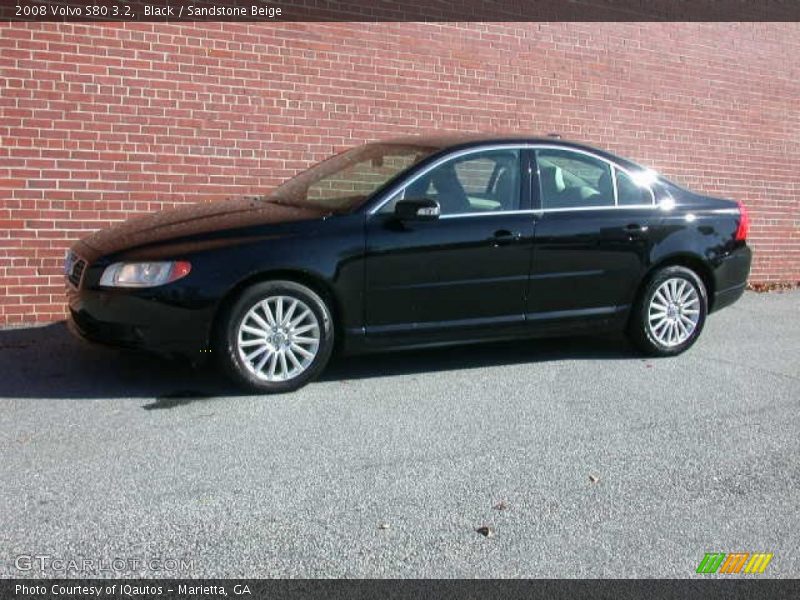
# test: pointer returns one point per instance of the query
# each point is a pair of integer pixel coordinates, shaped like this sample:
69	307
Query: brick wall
100	122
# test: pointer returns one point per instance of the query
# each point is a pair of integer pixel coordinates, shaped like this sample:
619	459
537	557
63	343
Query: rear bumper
731	277
727	297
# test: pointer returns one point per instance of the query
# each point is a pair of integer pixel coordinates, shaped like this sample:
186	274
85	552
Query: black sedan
415	242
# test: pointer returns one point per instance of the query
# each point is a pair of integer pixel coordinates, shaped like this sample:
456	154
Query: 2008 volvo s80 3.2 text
415	242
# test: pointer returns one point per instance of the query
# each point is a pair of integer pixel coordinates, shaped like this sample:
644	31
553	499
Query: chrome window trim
614	184
534	211
489	213
586	208
523	146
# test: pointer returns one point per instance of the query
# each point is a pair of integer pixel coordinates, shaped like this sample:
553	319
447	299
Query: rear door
593	236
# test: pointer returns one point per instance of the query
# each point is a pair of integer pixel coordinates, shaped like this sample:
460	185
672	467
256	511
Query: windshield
345	181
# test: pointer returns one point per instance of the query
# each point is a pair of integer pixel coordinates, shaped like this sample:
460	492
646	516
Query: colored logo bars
714	562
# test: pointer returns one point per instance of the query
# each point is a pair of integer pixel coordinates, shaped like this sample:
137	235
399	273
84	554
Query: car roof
453	141
446	140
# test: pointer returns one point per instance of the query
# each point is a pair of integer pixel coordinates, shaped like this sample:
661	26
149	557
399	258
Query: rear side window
629	193
573	180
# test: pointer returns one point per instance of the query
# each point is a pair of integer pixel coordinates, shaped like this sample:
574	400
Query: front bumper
140	320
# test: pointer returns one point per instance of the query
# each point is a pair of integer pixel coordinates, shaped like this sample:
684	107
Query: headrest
552	178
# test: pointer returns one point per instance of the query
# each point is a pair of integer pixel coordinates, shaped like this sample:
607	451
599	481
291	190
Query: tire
269	352
674	329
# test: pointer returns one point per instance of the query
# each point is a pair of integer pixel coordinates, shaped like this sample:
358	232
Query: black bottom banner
329	589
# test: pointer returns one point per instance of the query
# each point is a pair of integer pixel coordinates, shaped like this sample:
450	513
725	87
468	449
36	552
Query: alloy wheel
278	338
674	312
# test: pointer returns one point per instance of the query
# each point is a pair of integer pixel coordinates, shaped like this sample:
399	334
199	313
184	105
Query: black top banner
329	589
265	11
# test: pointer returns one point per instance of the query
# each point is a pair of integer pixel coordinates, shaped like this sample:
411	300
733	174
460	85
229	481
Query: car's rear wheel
670	313
277	337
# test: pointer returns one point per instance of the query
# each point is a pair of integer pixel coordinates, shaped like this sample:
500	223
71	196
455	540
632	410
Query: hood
195	219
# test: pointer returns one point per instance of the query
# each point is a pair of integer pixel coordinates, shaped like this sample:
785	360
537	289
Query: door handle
503	237
635	231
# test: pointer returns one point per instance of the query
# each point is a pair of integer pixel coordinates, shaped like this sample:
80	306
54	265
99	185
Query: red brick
104	121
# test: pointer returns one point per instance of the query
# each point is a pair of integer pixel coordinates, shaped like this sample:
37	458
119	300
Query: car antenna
556	136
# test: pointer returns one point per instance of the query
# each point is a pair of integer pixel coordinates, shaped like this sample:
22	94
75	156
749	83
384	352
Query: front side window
487	181
347	180
573	180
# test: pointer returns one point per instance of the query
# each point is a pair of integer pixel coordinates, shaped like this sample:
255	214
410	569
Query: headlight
144	274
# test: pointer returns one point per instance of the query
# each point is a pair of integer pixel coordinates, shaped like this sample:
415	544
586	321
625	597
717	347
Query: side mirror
417	209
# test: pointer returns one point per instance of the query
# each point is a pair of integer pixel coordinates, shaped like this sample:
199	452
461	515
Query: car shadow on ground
48	362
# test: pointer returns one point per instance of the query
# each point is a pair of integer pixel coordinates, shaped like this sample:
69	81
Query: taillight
744	224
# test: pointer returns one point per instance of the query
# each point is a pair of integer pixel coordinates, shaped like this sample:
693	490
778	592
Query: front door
467	270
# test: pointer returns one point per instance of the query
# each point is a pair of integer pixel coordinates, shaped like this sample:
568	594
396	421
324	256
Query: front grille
76	274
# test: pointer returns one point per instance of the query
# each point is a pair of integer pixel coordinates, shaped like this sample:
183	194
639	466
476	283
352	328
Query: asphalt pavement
581	458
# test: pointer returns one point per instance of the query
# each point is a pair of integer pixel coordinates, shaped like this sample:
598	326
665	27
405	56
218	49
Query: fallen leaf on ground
781	286
485	531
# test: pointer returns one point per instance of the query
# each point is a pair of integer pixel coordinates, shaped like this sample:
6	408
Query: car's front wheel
670	313
277	337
